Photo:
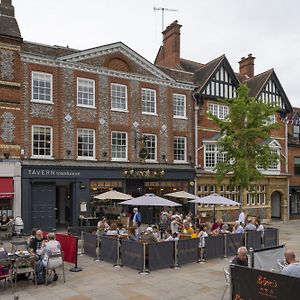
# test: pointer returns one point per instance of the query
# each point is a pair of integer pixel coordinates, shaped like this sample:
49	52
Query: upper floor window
297	166
118	97
296	131
220	111
86	92
149	101
86	143
271	120
42	87
274	165
271	94
179	149
151	146
213	155
42	141
119	145
179	106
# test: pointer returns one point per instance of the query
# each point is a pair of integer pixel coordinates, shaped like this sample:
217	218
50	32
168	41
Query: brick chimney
169	53
8	24
247	65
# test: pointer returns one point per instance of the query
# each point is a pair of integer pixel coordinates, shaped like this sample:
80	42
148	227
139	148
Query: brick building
90	121
215	81
294	161
10	135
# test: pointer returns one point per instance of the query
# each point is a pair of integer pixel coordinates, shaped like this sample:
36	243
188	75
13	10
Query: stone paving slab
100	280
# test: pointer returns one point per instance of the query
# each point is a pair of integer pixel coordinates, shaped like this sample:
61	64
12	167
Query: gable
117	57
271	92
222	82
274	144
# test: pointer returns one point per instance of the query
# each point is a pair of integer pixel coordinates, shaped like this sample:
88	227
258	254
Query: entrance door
275	204
43	206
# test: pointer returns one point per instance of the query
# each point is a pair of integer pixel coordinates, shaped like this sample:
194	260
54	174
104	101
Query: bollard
251	264
144	271
118	263
176	266
225	245
81	245
98	250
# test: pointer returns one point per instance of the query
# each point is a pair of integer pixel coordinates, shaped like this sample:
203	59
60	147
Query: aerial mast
163	9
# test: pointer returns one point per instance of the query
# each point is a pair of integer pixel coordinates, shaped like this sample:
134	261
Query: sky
269	29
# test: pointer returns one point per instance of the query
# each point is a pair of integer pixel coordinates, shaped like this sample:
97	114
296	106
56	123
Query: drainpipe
287	168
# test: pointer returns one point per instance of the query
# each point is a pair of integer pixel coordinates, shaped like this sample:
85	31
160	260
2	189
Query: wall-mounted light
6	155
104	154
68	152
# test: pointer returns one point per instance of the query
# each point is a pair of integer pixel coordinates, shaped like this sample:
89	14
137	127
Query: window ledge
42	101
120	110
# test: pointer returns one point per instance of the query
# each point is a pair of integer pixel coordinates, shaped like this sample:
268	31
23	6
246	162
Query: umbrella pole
214	213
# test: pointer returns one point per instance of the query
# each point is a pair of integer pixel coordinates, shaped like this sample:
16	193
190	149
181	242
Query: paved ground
100	280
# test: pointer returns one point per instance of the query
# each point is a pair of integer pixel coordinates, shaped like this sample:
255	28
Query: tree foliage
243	136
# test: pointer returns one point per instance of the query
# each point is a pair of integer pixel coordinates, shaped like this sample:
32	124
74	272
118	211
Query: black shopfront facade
52	195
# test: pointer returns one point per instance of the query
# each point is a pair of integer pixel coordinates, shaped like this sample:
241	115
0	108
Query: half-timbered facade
215	81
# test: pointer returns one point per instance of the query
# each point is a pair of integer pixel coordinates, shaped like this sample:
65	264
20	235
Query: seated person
52	246
250	226
121	229
260	228
187	228
103	223
225	228
242	258
148	235
293	267
113	230
217	226
37	243
132	236
156	232
238	228
171	236
32	236
4	220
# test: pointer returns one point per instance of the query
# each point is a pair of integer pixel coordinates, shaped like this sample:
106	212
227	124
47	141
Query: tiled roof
9	27
257	82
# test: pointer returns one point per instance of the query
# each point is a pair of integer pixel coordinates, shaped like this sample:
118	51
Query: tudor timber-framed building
216	80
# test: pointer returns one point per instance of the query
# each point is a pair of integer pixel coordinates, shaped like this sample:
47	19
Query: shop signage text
47	172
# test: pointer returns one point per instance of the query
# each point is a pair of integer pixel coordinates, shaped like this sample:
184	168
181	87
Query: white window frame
146	99
177	98
126	147
185	149
83	83
146	141
217	155
86	131
40	77
50	156
119	98
218	110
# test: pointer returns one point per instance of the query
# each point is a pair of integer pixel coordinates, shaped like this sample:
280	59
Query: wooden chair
23	265
6	262
53	258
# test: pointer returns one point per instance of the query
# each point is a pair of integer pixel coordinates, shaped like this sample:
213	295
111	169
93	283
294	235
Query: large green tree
243	136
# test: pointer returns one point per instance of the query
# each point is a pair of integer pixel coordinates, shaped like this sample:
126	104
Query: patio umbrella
150	200
113	195
182	194
214	199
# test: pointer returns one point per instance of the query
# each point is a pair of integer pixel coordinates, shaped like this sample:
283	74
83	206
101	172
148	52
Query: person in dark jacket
242	257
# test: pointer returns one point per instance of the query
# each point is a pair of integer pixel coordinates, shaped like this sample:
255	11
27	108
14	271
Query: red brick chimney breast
247	65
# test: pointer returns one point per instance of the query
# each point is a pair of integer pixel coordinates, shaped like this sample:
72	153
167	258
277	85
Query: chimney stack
169	54
247	65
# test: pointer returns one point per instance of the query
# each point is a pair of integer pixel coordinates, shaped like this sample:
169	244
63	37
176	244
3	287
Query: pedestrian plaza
100	280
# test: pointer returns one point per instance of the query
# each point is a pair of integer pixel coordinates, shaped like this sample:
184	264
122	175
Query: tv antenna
163	9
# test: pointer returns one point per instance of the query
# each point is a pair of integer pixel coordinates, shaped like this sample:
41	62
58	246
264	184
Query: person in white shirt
293	267
241	218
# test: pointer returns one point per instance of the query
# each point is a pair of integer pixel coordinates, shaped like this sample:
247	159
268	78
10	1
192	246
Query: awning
6	187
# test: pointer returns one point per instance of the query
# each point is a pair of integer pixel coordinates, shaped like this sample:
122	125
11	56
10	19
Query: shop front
59	196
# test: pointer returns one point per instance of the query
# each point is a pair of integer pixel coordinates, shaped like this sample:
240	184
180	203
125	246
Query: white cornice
29	58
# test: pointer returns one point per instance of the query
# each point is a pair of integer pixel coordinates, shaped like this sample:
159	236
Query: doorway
63	206
275	205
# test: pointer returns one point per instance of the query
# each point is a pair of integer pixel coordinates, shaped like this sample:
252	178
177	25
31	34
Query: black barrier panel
160	255
255	284
214	247
270	238
188	251
76	230
233	242
253	240
90	244
109	249
132	254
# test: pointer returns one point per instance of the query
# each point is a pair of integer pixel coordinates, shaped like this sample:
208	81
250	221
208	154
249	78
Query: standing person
242	257
52	247
137	220
250	226
293	267
175	224
241	218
